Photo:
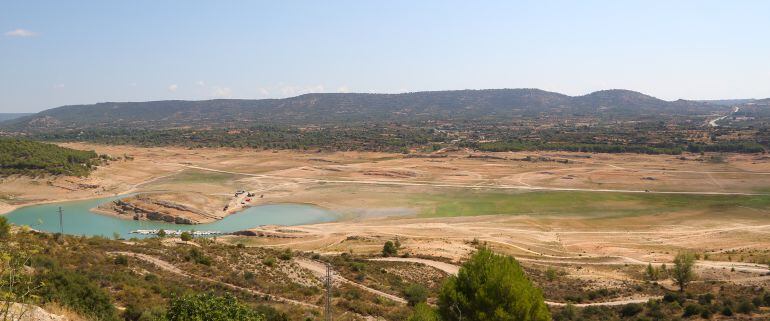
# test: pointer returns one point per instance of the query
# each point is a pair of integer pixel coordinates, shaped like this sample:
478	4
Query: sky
55	53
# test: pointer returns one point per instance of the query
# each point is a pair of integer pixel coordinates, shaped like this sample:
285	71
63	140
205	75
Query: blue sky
54	53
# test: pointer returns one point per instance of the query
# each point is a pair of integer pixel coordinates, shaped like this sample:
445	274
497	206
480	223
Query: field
596	219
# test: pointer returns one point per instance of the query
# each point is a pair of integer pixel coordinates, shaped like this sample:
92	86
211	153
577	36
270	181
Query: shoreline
10	208
99	211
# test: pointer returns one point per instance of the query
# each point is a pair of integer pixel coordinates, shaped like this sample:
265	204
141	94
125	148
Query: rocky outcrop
162	213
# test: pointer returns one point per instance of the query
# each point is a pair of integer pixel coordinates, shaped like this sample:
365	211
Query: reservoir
79	220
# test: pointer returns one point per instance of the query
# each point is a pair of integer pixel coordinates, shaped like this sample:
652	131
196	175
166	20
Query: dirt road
319	269
453	269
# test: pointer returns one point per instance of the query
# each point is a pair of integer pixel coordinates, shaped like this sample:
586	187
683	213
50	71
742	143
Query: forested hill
344	108
33	158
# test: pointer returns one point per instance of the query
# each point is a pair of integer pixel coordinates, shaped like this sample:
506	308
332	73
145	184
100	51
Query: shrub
185	236
121	260
416	294
5	228
727	311
423	312
567	314
551	274
631	309
745	307
78	293
198	257
285	255
270	261
705	298
209	308
357	266
491	287
691	309
389	249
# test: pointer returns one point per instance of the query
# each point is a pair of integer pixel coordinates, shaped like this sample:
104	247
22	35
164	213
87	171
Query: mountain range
346	108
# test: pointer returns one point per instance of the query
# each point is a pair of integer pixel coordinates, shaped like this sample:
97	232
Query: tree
491	287
161	233
389	249
185	236
682	273
209	307
423	312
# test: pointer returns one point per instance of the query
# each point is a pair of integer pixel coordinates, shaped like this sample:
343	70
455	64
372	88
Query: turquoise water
78	220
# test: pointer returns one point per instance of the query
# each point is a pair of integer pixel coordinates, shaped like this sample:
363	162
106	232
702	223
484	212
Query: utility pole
61	222
328	303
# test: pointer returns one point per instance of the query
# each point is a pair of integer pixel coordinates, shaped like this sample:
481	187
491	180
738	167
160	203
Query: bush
423	312
727	311
416	294
567	314
691	309
745	307
389	249
705	298
185	236
551	274
630	310
270	261
210	308
491	287
121	260
198	257
5	228
285	255
78	293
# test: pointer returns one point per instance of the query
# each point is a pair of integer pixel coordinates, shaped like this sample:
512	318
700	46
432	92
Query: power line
328	303
61	221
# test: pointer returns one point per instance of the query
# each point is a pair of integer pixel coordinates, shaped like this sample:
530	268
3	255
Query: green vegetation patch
577	203
194	176
31	158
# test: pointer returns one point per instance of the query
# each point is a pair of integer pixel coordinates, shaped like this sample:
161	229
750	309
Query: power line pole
61	222
328	303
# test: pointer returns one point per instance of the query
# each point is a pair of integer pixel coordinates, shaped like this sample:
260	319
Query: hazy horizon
54	53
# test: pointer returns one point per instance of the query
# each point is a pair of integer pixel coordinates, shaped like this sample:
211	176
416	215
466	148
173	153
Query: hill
344	108
34	158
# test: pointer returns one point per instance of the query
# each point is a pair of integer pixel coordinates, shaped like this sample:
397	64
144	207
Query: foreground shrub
78	293
208	307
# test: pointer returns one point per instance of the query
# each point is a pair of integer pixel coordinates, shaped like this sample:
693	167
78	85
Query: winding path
166	266
453	269
319	269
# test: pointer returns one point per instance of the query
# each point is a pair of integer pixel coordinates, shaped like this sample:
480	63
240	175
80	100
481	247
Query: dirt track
163	265
453	269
